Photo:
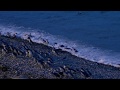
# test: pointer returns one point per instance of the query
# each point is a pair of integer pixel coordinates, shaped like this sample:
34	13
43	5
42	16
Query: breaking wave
85	51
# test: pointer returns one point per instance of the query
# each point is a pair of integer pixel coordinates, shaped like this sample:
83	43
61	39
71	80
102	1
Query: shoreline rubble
21	59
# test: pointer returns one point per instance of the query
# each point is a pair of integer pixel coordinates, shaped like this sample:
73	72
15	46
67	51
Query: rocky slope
23	59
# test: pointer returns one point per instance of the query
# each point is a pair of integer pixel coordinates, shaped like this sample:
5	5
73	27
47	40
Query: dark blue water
96	34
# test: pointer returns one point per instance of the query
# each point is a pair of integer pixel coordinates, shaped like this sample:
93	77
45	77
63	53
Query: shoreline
21	59
87	52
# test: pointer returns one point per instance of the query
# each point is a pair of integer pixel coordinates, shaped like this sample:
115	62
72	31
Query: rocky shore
24	59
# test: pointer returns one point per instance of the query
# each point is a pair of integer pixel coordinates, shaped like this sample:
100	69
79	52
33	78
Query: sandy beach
22	59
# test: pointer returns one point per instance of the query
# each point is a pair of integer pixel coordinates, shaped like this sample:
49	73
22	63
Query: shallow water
95	34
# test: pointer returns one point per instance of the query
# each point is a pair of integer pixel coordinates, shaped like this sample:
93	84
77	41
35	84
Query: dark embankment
21	59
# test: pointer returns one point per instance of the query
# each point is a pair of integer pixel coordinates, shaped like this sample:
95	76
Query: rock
54	52
14	35
46	64
15	51
0	33
11	48
4	46
4	52
61	69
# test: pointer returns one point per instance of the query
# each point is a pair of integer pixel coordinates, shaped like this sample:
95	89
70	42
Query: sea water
94	34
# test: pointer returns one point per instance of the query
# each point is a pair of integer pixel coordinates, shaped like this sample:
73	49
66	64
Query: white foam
84	51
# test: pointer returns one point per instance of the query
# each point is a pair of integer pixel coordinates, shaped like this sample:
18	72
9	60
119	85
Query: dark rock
62	46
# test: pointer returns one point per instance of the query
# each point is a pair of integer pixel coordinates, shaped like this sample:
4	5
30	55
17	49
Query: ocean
94	34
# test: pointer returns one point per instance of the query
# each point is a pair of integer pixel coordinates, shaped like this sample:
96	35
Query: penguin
29	53
45	41
8	34
74	50
54	52
62	46
14	35
68	48
28	37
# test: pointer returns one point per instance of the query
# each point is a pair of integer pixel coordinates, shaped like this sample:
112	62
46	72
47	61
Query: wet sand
21	59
